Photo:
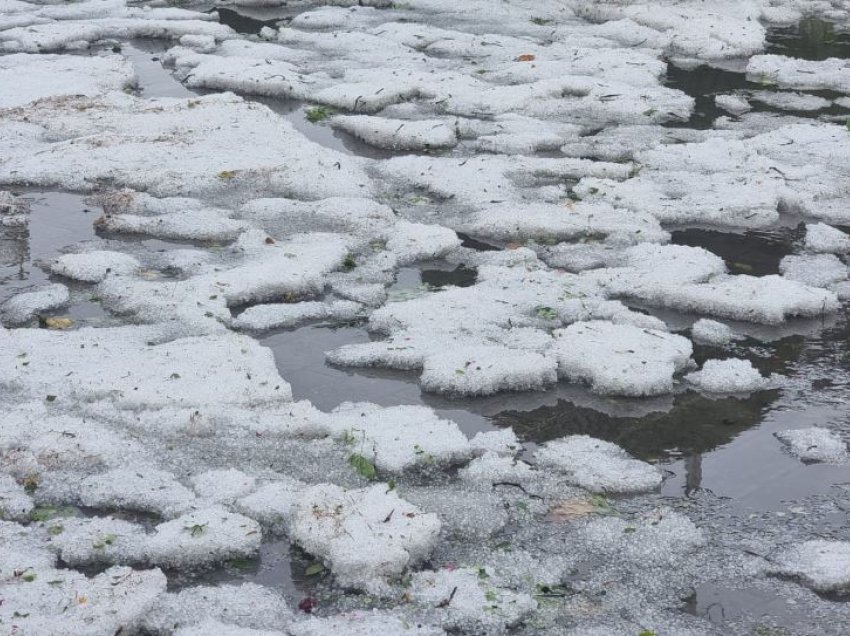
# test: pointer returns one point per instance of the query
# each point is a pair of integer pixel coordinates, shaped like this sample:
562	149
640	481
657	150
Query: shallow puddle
56	221
153	79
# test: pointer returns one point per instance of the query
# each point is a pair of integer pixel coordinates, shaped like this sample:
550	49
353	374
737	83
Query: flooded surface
722	446
153	79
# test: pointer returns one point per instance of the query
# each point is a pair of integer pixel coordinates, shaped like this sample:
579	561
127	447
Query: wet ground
716	445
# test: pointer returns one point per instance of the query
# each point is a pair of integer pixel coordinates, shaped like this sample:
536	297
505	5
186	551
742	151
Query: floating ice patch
766	299
711	332
207	627
691	30
484	370
501	442
52	601
597	465
246	606
223	486
189	371
658	539
99	541
647	270
817	270
365	536
819	564
142	489
815	444
282	217
825	239
196	539
399	437
362	623
213	145
398	134
467	602
788	72
491	468
37	77
568	221
272	503
620	359
734	104
245	75
412	242
206	536
790	101
73	34
199	225
25	306
23	551
730	376
15	503
94	266
275	316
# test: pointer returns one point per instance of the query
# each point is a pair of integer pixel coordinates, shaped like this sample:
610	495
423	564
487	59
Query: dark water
812	39
242	22
755	252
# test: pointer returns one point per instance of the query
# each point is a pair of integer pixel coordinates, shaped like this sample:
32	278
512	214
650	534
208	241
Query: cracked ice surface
541	149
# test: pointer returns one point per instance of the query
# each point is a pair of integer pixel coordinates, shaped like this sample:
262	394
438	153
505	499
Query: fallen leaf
314	569
58	322
526	57
567	510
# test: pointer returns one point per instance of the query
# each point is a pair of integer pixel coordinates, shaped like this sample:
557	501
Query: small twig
447	601
520	486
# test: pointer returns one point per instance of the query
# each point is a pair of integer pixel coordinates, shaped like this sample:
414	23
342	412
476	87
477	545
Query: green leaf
315	114
363	466
314	569
547	313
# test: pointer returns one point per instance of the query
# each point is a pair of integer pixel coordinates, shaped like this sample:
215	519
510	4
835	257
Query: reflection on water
460	276
812	39
703	83
695	425
54	220
242	23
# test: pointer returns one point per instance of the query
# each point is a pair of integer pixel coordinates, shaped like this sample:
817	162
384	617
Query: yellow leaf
58	322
